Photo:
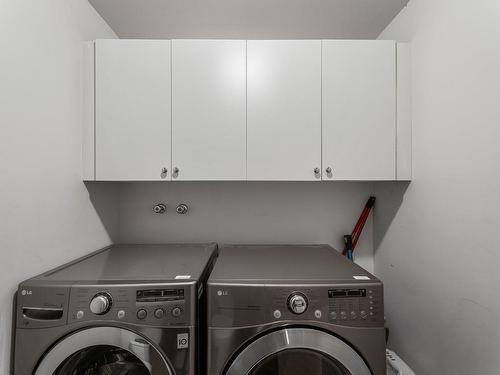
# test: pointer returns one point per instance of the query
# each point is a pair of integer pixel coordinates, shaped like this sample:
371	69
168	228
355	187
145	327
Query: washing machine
126	309
293	310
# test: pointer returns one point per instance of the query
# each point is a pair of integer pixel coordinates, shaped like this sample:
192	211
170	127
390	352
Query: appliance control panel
355	305
156	305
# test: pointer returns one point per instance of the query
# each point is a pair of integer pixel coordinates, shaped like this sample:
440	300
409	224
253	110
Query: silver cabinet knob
182	208
160	208
164	172
175	172
316	170
328	170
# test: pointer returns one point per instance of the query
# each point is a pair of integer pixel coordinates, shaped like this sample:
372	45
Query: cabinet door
284	110
209	109
133	109
359	110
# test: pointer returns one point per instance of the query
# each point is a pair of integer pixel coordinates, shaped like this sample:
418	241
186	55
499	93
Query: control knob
159	313
297	303
176	312
100	303
142	314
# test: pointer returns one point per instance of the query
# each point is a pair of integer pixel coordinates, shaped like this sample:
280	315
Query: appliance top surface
150	263
273	264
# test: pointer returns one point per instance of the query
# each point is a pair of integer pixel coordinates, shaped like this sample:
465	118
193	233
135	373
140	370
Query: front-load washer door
298	351
103	351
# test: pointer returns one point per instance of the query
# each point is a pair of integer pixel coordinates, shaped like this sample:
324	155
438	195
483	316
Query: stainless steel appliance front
293	309
122	310
297	351
104	350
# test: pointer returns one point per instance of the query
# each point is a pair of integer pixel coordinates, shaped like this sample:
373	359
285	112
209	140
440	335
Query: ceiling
248	19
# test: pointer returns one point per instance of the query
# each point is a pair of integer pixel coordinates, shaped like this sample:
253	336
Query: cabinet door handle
316	170
328	170
176	172
163	172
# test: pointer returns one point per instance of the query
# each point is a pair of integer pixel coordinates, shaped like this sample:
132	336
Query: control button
317	314
176	312
363	314
353	315
141	314
333	315
277	314
79	314
371	313
120	314
100	303
297	303
343	315
159	313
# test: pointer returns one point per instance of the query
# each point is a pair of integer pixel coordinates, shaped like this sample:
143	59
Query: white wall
438	254
248	19
241	212
46	216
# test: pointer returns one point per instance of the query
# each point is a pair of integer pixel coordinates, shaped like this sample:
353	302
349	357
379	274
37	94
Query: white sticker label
183	341
361	277
182	277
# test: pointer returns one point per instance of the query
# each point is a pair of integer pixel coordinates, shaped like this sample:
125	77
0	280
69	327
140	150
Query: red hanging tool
358	228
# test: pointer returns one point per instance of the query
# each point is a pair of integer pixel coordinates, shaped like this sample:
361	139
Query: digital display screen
346	293
156	295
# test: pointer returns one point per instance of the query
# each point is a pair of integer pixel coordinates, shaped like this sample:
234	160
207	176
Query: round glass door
298	351
103	351
299	362
102	360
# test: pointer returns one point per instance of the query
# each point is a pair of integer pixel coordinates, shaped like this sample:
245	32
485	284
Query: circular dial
100	304
297	303
176	312
142	314
159	313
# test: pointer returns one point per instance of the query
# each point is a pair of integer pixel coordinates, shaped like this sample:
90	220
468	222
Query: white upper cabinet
268	110
359	110
284	110
132	109
209	109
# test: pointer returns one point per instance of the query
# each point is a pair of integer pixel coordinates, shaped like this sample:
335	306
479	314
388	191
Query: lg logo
25	292
222	293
